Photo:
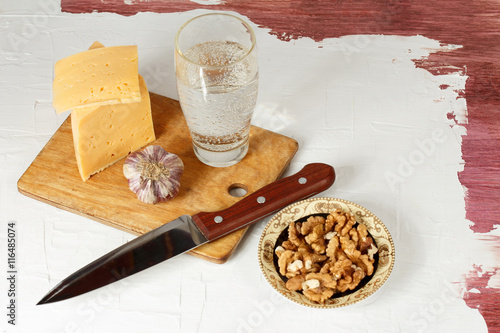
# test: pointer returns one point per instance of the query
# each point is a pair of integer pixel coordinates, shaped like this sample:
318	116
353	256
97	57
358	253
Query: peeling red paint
474	25
452	116
480	296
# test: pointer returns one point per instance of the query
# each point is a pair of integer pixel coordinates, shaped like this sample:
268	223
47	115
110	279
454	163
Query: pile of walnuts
322	257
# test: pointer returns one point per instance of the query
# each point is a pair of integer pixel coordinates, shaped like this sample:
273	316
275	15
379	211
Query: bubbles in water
218	101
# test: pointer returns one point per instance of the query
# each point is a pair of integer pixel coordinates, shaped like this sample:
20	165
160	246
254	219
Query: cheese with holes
105	134
96	77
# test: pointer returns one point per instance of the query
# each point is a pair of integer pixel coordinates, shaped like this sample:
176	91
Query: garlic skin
153	174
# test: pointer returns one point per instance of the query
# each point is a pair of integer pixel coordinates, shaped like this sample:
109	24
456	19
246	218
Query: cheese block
96	45
99	76
105	134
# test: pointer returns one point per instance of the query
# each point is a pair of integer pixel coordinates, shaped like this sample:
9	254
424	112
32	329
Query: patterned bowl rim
381	236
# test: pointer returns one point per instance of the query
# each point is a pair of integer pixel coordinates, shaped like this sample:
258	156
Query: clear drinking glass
217	81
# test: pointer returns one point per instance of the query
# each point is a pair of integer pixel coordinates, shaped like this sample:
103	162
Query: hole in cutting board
237	190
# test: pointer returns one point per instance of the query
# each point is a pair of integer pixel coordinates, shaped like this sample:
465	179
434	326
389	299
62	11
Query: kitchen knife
186	233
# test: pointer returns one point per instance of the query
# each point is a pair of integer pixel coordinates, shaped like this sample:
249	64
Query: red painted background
475	25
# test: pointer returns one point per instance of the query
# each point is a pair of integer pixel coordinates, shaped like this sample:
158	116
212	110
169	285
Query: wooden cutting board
53	178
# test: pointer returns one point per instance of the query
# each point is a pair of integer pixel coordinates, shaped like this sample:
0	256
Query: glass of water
217	82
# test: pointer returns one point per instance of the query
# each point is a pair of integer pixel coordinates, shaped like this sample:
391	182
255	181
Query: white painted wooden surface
357	103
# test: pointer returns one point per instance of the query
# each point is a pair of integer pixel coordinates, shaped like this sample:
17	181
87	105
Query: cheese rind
99	76
105	134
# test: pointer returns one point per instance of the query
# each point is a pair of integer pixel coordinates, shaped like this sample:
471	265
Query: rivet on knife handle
312	179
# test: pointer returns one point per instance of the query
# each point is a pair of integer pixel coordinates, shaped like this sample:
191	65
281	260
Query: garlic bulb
153	174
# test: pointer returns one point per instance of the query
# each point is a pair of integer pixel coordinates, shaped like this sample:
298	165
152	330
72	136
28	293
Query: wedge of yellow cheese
96	45
99	76
105	134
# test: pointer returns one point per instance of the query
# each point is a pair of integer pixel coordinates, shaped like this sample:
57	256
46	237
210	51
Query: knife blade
188	232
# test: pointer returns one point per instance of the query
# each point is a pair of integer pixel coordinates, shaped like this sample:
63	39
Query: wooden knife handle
312	179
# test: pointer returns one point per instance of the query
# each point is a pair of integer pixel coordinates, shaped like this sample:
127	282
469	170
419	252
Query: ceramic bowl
274	233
